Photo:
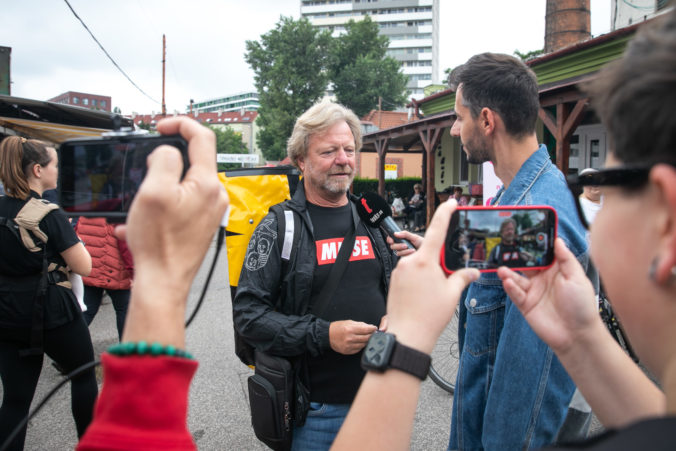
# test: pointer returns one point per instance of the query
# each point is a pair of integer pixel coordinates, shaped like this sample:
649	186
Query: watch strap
410	361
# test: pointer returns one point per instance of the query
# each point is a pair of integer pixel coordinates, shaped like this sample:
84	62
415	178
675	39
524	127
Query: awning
55	122
407	137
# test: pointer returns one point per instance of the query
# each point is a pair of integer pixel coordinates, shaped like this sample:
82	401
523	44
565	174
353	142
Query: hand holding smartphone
485	238
99	177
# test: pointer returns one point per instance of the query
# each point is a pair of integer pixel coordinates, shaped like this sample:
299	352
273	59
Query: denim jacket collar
536	165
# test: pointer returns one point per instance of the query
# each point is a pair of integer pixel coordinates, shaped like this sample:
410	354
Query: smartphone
489	237
99	177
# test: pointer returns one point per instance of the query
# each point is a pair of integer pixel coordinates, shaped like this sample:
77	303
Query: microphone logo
366	205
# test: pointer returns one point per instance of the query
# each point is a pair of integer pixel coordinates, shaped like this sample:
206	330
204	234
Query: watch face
378	351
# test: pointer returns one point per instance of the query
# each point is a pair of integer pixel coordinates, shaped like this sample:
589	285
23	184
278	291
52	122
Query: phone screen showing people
99	177
486	238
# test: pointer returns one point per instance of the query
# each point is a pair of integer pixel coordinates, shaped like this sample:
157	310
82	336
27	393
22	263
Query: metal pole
164	58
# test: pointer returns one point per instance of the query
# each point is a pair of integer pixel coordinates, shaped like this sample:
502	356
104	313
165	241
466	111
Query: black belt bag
271	398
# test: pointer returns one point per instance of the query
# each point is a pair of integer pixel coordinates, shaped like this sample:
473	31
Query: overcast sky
52	52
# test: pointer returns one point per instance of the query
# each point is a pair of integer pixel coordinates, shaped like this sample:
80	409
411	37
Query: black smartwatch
383	351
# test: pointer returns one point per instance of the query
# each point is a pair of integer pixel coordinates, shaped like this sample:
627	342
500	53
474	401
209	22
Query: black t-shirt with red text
360	296
507	255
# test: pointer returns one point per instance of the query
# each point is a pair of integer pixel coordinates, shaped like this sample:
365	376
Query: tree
228	141
529	55
144	126
290	74
362	72
524	221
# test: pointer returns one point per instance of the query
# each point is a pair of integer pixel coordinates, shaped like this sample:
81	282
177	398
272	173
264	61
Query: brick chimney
567	22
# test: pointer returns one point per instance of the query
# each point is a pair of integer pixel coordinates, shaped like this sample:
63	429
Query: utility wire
645	8
108	55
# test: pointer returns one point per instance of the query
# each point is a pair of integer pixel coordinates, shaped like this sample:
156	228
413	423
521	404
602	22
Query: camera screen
100	177
487	238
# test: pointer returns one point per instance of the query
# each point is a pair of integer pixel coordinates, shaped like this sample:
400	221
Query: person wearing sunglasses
636	100
633	245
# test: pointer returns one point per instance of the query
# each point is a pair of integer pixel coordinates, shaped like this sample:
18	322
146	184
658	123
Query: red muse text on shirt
327	250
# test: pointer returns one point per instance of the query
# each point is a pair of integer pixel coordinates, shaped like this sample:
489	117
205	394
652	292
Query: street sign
237	158
390	171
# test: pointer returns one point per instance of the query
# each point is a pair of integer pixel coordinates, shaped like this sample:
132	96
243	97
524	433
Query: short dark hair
635	97
503	84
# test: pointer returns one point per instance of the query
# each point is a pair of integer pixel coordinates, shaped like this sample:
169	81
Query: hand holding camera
171	223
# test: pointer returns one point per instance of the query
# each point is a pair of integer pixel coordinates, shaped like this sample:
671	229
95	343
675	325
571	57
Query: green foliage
290	66
228	141
529	55
523	220
294	62
402	187
361	72
144	126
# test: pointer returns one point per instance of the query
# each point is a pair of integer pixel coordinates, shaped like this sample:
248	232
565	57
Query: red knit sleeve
143	405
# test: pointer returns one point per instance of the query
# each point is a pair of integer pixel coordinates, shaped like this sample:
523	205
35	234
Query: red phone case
442	256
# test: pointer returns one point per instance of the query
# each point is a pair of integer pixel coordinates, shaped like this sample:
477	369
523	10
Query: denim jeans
511	390
321	427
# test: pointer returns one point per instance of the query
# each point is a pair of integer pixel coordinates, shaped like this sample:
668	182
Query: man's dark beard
477	156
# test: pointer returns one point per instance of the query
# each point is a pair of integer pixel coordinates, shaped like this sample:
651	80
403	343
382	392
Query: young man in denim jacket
511	392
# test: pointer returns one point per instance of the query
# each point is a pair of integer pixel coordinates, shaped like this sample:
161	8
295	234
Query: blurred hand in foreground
169	228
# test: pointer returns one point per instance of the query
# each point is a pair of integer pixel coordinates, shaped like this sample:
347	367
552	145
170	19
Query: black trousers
71	347
93	297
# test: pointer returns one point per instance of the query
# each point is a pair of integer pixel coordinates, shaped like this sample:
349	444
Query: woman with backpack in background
38	311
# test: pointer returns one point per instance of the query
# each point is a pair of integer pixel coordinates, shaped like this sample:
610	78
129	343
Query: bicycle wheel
445	357
614	326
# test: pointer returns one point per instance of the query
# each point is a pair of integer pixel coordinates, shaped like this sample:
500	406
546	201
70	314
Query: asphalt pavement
219	417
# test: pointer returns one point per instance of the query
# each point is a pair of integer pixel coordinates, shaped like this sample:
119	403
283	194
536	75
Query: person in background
416	207
590	199
457	195
112	269
38	311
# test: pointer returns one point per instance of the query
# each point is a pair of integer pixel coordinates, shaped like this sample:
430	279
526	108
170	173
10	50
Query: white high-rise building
411	25
624	12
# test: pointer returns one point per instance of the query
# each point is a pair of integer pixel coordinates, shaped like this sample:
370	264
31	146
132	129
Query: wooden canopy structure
422	136
562	106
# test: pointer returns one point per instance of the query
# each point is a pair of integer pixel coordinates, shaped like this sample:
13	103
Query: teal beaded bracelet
143	348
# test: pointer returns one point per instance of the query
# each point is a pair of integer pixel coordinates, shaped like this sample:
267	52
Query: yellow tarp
250	198
491	243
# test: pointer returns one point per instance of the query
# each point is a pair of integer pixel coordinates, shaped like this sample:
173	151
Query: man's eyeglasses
628	177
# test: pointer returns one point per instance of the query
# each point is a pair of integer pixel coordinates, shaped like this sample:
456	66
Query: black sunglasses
628	177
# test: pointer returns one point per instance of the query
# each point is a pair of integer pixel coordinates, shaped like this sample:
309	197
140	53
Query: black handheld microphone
375	212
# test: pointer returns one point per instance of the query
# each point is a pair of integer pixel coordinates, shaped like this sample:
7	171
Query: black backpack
236	182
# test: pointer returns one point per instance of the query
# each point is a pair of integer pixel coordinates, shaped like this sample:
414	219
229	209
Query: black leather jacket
271	314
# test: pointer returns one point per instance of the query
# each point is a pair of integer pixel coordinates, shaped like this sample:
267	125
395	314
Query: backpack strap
26	226
28	219
288	223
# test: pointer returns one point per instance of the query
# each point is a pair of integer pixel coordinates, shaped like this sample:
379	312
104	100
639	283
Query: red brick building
84	100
